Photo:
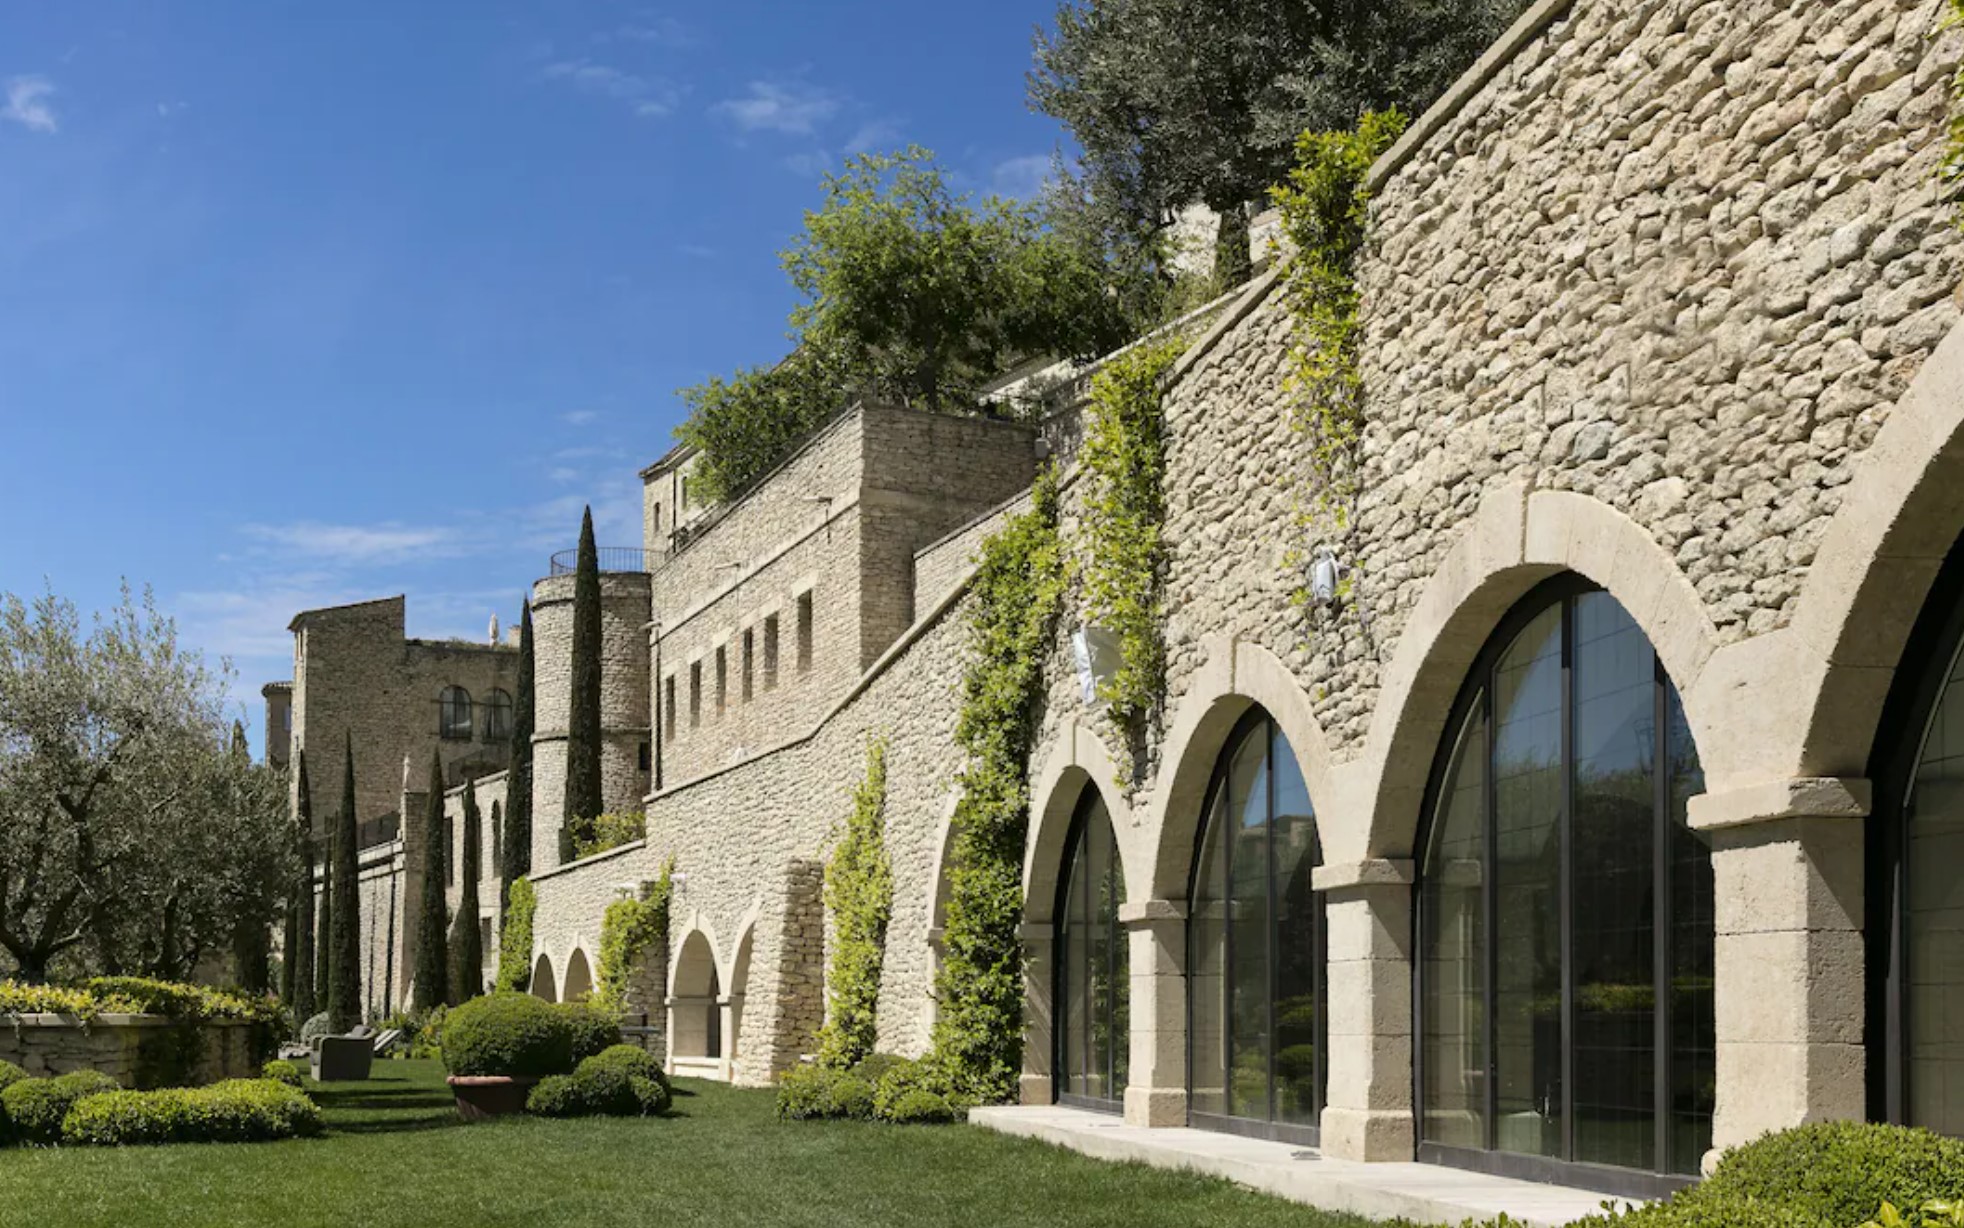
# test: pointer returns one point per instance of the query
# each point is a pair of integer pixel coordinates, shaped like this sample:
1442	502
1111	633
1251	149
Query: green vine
1325	208
629	929
859	893
1124	515
1015	599
515	937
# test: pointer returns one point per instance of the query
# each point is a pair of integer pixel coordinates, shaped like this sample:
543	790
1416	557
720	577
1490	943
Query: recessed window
804	632
454	713
695	694
1093	976
643	757
722	679
749	662
497	717
668	703
770	652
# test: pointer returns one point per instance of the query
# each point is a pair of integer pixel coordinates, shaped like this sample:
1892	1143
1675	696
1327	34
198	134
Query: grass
395	1154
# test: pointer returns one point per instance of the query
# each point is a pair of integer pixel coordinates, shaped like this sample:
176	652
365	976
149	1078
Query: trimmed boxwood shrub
1841	1171
629	1060
919	1106
899	1079
593	1028
874	1066
804	1093
10	1074
511	1034
235	1111
621	1081
280	1071
852	1098
35	1107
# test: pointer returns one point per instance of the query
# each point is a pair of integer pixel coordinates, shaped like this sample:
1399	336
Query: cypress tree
466	945
344	938
324	926
432	976
517	828
583	802
302	954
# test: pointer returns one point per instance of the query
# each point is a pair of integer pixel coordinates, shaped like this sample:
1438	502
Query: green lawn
395	1154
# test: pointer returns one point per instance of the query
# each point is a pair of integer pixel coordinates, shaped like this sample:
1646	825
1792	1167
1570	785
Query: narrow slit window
770	652
695	694
804	632
749	663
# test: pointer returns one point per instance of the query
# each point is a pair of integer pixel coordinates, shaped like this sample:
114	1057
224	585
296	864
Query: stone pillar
1156	1094
1039	1013
1367	1111
1787	860
731	1006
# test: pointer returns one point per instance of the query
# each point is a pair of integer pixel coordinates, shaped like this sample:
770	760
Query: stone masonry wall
122	1047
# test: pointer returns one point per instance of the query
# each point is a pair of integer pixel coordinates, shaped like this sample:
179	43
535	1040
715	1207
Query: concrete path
1426	1193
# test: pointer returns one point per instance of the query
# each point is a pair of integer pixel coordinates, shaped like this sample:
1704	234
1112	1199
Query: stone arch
543	984
1514	540
694	1016
1077	758
579	977
1237	675
1874	569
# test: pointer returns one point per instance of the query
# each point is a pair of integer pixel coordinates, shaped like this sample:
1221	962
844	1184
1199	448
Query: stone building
1605	818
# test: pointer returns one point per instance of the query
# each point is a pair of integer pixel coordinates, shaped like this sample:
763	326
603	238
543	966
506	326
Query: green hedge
10	1074
281	1072
621	1081
881	1088
135	995
593	1028
235	1111
35	1108
508	1034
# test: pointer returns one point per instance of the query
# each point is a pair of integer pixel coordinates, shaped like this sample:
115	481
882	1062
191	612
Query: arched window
454	713
497	717
1917	904
1255	945
1562	899
1093	976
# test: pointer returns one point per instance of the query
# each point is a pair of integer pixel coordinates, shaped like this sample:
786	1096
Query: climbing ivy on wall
859	894
1124	456
1016	596
629	929
515	937
1325	207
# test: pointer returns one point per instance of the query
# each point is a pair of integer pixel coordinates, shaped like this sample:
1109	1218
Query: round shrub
511	1034
315	1028
280	1071
852	1098
874	1066
599	1089
900	1079
36	1107
593	1028
630	1060
1840	1171
920	1107
10	1074
235	1111
557	1096
804	1093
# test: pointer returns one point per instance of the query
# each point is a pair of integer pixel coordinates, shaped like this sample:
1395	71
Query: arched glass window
1093	976
497	717
454	713
1255	945
1917	920
1561	899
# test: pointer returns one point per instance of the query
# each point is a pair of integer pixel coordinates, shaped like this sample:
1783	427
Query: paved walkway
1426	1193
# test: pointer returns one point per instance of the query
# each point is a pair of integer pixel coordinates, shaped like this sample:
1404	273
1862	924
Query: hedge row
235	1111
135	995
880	1088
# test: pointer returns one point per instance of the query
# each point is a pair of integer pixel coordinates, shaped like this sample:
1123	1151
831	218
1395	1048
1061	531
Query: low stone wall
135	1050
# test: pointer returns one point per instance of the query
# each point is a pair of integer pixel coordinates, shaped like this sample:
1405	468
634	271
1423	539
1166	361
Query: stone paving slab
1426	1193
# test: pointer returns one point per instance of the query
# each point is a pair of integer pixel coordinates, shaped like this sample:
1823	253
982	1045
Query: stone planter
135	1050
482	1097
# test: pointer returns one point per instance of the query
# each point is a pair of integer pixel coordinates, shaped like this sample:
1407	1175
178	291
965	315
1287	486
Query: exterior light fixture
1324	573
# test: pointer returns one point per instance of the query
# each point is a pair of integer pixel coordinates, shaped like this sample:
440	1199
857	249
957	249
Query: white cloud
790	107
580	417
350	543
646	98
27	104
880	134
1020	178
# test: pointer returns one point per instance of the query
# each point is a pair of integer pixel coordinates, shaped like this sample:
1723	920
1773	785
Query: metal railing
630	559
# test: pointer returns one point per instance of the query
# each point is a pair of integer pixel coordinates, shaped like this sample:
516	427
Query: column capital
1804	797
1371	872
1145	912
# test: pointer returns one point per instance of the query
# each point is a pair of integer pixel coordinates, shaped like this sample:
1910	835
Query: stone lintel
1371	872
1144	912
1805	797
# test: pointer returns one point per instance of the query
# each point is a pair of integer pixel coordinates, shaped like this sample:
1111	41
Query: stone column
1037	1084
1787	860
1367	1111
1156	1092
731	1006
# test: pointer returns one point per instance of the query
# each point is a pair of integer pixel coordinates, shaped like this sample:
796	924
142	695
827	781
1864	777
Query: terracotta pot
482	1097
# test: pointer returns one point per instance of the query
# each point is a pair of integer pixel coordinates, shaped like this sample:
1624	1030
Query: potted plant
497	1047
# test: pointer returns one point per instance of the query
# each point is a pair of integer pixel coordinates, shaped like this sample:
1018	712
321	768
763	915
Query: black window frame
1088	800
448	729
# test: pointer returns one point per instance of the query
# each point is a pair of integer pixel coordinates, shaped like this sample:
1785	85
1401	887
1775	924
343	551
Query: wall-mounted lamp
1324	575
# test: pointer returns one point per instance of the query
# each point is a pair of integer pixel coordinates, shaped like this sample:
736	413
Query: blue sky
298	309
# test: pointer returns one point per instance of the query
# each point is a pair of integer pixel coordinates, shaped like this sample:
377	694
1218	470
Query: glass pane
1454	948
1248	976
1694	1047
1119	1029
1207	966
1527	768
1934	925
1614	886
1097	953
1298	916
1071	952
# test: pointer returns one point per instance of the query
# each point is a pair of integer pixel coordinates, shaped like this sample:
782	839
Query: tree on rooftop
432	974
300	956
466	944
344	939
583	793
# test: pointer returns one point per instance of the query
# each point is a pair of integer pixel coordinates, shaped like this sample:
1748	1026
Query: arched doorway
1093	976
1916	895
1562	900
1255	944
695	1017
542	982
579	977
